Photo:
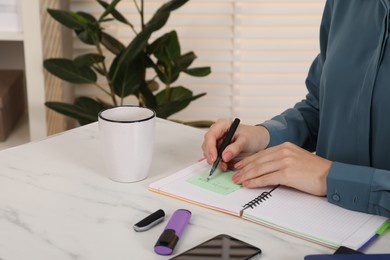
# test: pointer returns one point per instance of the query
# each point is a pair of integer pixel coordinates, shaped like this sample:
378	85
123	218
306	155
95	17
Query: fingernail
227	156
238	165
236	177
245	183
211	158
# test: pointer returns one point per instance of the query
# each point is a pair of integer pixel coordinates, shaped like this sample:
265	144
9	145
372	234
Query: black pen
225	143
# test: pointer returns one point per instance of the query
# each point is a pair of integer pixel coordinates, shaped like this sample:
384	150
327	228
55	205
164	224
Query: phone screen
222	247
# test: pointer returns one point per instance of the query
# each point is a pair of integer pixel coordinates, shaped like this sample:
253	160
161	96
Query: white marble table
57	203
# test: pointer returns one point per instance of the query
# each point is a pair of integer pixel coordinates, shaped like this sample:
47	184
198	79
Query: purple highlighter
172	232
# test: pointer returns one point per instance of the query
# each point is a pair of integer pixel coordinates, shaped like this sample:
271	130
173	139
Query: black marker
172	232
225	143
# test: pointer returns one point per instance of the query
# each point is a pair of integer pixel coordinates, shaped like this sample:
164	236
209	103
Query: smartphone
221	247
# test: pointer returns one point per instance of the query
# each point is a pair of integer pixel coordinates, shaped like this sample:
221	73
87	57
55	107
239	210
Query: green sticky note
220	182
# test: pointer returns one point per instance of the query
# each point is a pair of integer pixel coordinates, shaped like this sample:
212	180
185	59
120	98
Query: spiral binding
259	199
253	203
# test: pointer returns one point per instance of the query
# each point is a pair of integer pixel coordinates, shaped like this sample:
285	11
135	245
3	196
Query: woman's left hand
286	164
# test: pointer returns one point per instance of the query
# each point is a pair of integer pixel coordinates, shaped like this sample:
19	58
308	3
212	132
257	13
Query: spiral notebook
302	215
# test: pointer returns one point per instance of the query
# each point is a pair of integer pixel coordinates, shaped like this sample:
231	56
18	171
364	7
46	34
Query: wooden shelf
11	36
23	50
19	135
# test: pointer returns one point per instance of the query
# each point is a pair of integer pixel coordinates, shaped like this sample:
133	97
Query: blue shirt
345	116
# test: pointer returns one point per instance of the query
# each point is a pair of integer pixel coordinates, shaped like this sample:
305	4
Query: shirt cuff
276	131
349	186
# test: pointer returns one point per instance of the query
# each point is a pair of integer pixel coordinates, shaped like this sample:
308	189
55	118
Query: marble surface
56	202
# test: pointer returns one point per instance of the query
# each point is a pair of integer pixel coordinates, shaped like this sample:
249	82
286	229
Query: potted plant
126	75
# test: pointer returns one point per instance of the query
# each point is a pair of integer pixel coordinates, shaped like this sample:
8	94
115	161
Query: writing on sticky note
220	182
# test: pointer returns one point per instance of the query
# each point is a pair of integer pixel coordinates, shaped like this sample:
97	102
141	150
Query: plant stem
111	93
104	90
137	6
140	11
168	91
132	28
142	14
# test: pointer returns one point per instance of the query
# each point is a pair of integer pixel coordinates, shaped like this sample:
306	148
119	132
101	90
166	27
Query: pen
225	143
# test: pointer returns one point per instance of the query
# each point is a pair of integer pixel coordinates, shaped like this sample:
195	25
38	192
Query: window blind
259	52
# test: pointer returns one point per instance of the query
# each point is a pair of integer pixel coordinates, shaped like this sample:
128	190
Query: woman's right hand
247	140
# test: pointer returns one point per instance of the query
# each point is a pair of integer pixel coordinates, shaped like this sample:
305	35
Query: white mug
127	136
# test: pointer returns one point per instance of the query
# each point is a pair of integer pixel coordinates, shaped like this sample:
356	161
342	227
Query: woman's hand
286	164
246	140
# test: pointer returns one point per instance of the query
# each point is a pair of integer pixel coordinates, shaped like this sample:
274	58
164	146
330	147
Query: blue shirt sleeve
359	188
299	125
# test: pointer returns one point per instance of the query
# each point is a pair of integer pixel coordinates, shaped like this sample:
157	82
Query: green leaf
69	71
88	59
161	75
158	20
198	72
198	124
177	99
104	103
161	16
72	111
110	8
172	94
167	50
129	76
90	107
86	17
91	31
185	60
112	44
172	5
131	52
147	96
172	74
85	109
166	44
166	110
68	19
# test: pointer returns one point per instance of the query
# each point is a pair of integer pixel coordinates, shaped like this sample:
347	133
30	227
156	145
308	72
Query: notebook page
315	219
179	185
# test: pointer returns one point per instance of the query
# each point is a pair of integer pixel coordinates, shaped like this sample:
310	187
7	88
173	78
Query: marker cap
150	221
